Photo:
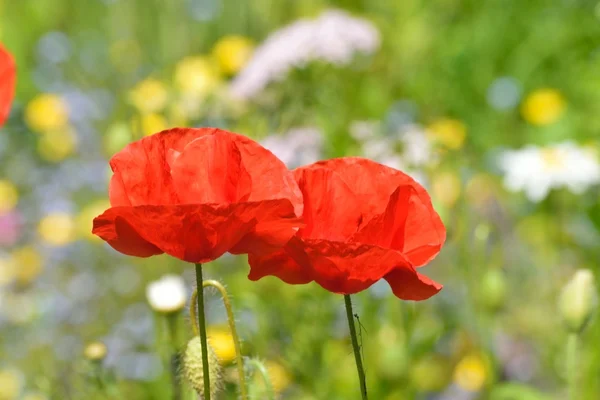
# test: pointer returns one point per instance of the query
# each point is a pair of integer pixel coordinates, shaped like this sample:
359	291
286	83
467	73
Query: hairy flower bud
192	367
578	300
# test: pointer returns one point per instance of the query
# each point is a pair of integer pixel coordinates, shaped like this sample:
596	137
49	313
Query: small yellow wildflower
57	229
196	75
46	113
149	124
84	220
232	53
11	383
222	342
446	188
278	375
149	96
471	373
9	196
450	133
543	107
95	351
28	263
55	146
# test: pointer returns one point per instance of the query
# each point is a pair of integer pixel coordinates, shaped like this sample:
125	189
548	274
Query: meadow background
443	89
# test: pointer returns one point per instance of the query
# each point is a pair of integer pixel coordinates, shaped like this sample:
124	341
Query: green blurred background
446	90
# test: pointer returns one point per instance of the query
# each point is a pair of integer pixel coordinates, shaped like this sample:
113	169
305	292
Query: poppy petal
190	232
348	267
331	211
142	175
387	230
279	264
407	284
7	83
210	170
120	235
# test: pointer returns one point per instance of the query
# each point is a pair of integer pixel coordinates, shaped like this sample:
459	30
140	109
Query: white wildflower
297	147
537	170
166	295
416	146
334	37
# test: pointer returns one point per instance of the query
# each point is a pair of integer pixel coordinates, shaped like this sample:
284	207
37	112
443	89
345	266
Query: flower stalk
356	347
202	330
174	361
231	319
260	367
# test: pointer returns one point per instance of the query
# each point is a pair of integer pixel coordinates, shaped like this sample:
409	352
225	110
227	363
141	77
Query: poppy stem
356	347
202	331
236	340
572	367
260	367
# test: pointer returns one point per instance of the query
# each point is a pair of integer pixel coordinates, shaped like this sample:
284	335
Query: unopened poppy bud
95	351
578	300
193	371
493	289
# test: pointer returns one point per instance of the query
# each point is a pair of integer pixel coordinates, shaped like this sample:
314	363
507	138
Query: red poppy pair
7	83
344	223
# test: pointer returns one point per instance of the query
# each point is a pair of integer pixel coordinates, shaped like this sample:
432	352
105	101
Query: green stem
202	331
270	393
236	340
174	355
355	347
572	367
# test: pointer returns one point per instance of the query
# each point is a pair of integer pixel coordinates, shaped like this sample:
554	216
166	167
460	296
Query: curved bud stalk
231	319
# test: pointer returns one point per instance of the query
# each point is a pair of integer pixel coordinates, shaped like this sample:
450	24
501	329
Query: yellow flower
9	196
57	229
232	53
446	188
149	96
28	264
11	382
222	342
543	107
149	124
46	112
196	75
55	146
95	351
471	373
84	220
280	378
450	133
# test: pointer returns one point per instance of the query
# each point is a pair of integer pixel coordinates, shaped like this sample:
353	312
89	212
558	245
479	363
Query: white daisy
538	170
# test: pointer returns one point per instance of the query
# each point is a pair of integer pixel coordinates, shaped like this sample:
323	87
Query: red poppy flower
364	221
196	194
7	83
